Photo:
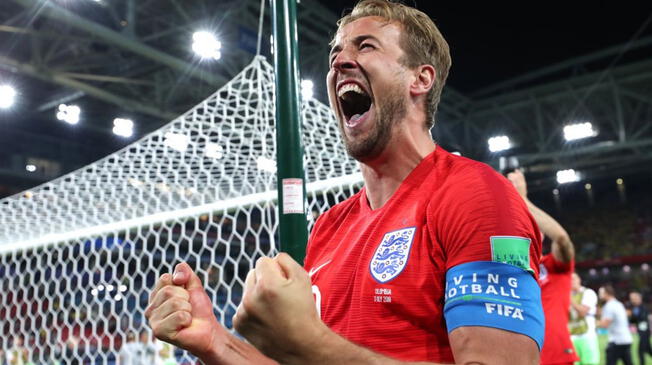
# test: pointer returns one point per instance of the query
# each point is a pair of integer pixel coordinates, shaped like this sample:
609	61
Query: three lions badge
392	254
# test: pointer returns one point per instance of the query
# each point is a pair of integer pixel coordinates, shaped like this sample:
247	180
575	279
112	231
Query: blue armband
493	294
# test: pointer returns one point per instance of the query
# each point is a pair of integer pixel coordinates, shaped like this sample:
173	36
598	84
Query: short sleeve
479	216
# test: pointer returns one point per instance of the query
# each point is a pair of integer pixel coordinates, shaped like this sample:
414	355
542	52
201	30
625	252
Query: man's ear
424	80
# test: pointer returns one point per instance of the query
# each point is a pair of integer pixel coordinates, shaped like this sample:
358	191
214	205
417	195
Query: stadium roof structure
133	59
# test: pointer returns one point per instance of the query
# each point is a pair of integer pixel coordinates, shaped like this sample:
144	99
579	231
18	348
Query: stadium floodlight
176	141
578	131
68	113
567	176
123	127
307	89
213	150
499	143
30	168
206	45
7	96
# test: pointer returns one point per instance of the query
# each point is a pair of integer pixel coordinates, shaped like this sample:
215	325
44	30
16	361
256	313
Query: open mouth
355	102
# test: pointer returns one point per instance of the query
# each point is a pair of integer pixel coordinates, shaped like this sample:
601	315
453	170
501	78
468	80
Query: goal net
79	255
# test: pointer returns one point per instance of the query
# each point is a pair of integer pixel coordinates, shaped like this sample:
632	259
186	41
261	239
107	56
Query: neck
385	173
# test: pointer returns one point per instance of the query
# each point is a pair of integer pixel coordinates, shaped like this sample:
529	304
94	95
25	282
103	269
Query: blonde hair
420	40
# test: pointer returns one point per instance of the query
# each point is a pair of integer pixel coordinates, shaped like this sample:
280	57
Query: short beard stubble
392	109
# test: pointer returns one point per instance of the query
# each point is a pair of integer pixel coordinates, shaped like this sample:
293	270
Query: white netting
79	255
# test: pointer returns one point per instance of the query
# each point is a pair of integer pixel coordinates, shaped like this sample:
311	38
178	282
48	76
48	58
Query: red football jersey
555	281
442	215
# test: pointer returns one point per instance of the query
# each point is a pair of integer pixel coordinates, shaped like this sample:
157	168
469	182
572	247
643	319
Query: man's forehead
364	25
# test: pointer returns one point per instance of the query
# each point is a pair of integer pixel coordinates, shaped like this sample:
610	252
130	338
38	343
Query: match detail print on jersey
493	294
392	254
511	250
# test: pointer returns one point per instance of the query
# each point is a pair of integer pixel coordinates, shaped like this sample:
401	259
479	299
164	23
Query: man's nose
344	61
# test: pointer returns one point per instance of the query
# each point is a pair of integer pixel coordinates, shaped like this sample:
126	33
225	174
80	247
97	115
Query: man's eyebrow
357	40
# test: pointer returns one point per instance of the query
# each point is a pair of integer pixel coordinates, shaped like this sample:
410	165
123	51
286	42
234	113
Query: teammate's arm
562	246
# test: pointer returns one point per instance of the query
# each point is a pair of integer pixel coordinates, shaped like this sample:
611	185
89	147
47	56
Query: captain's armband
493	294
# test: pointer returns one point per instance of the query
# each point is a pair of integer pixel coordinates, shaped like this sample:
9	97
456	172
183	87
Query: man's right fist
180	312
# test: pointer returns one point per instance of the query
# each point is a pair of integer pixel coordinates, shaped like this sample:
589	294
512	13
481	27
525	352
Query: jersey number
317	295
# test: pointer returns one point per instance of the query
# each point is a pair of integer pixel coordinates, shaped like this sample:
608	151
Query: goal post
79	255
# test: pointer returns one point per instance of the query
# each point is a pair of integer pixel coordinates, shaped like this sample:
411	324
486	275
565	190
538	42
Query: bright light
619	181
123	127
213	150
587	186
306	89
123	288
499	143
266	164
567	176
100	287
7	96
68	113
118	297
579	131
176	141
627	268
30	168
555	191
645	267
206	45
94	292
109	287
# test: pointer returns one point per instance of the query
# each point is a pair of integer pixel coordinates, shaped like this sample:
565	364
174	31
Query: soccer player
555	280
435	260
639	317
584	306
614	319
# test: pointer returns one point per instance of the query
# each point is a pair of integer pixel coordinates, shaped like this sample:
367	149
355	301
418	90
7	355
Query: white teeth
350	87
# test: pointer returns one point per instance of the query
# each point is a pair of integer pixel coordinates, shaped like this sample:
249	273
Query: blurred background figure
165	353
130	352
18	354
584	305
638	316
614	319
148	348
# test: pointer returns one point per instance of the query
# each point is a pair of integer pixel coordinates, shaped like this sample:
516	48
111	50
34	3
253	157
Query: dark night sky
493	43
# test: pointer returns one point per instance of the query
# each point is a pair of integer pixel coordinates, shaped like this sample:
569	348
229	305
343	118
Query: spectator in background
638	316
165	353
584	305
149	348
18	354
555	272
614	319
130	352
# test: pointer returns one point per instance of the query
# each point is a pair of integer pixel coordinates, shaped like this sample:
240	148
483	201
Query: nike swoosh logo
314	270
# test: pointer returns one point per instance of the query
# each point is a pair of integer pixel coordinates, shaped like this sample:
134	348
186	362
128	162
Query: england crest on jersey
392	254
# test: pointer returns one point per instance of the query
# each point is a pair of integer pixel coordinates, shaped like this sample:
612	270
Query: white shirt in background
618	330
